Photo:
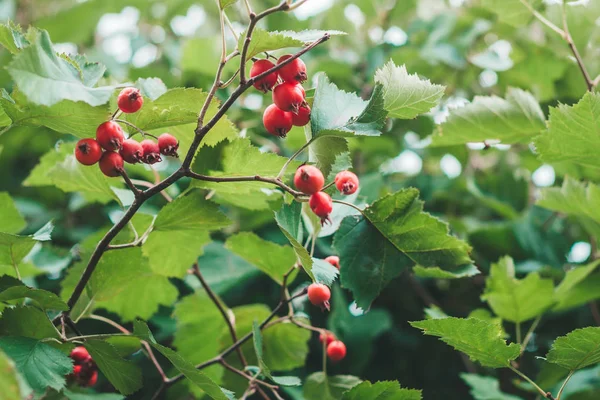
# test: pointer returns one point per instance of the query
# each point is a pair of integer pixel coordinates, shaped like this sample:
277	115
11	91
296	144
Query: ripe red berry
77	370
130	100
264	84
346	182
110	136
288	97
309	179
111	164
80	355
326	337
321	204
88	151
93	378
333	260
295	71
319	295
131	151
276	121
303	116
151	152
336	350
168	145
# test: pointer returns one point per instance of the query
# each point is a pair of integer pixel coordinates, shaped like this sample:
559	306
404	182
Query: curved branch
255	178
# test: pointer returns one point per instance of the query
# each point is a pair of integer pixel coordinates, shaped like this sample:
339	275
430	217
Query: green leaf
576	279
324	272
152	88
394	233
12	38
226	3
13	249
41	365
91	396
319	386
46	78
268	41
513	299
125	376
90	72
339	113
327	151
271	258
486	388
575	125
28	322
9	379
515	120
578	349
12	221
381	391
438	273
406	96
511	12
481	340
257	340
582	293
573	198
12	289
181	230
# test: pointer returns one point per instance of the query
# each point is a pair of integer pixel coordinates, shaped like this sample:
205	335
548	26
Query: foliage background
488	195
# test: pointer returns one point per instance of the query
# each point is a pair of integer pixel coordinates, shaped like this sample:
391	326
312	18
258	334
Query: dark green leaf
319	386
578	349
381	391
125	376
11	289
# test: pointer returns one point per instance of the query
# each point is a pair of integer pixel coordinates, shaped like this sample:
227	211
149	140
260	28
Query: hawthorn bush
250	199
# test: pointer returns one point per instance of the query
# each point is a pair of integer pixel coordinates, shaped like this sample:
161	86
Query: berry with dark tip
303	116
131	151
309	179
264	84
276	121
288	97
322	205
151	152
130	100
110	136
168	145
111	164
295	71
80	355
319	295
346	182
88	151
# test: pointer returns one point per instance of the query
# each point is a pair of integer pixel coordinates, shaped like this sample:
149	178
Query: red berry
309	179
131	151
321	204
93	378
110	136
80	355
319	295
288	97
336	350
276	121
303	116
334	260
111	164
88	151
264	84
295	71
326	337
151	152
130	100
346	182
168	145
77	370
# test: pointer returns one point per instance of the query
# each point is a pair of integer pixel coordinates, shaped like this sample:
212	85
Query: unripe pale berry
88	151
80	355
333	260
111	164
110	136
322	205
303	116
276	121
309	179
295	71
346	182
288	97
168	145
336	350
326	337
319	295
151	152
130	100
264	84
131	151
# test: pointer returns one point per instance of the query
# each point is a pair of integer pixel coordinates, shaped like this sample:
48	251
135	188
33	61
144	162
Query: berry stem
143	133
293	157
349	205
136	192
257	178
116	114
140	182
546	395
330	184
245	375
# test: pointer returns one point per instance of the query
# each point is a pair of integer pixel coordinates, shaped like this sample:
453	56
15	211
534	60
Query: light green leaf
13	249
271	258
91	396
151	88
438	273
9	379
46	78
573	198
13	289
394	233
406	96
327	151
578	349
89	72
513	299
486	388
41	365
28	322
324	272
125	376
181	230
573	285
257	340
511	12
289	219
319	386
268	41
481	340
514	120
381	391
10	218
12	37
226	3
576	125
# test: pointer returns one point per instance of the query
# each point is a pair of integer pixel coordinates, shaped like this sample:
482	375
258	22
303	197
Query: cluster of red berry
310	180
85	372
111	149
336	349
289	98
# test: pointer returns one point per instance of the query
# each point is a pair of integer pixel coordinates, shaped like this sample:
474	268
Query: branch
546	395
255	178
129	183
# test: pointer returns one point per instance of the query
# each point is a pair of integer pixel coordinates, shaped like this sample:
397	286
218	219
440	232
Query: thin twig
360	210
256	178
529	333
245	375
547	395
292	158
542	19
144	133
562	388
138	242
129	183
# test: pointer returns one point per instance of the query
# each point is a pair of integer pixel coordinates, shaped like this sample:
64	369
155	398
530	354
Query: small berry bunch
289	106
110	148
336	349
309	180
85	372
